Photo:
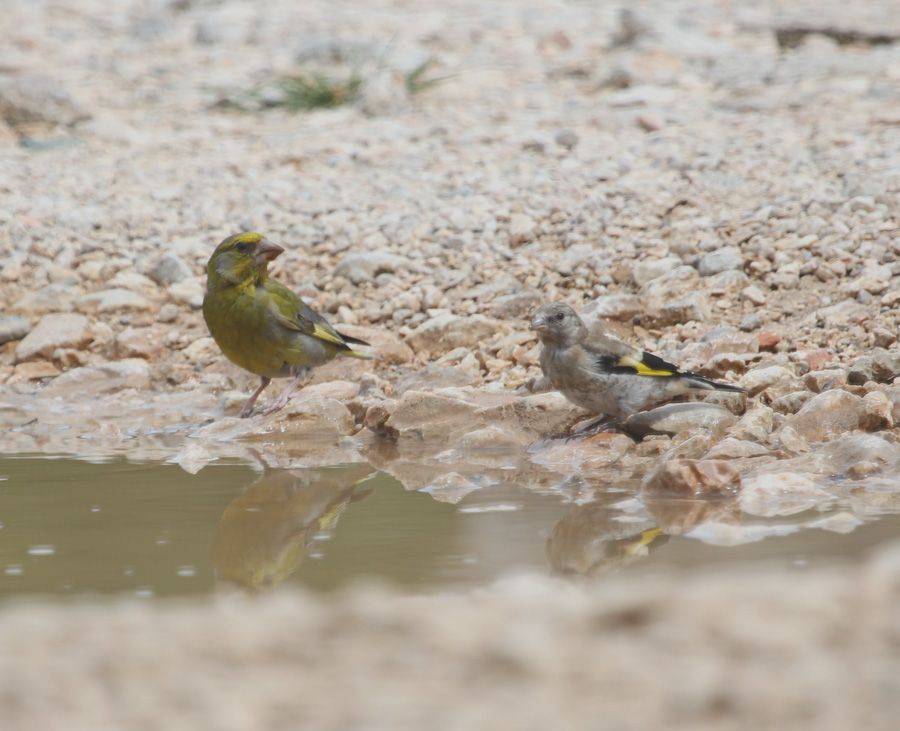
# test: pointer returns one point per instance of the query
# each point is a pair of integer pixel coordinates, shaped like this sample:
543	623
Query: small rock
750	322
881	368
52	298
188	292
435	376
202	351
57	330
649	269
35	371
105	378
815	359
674	418
754	295
768	340
782	493
112	300
29	98
792	402
622	307
514	306
694	306
337	390
827	415
364	266
760	379
13	327
757	423
424	416
823	380
489	437
725	259
170	269
674	284
522	228
693	478
650	122
566	138
845	454
168	313
876	412
447	331
140	342
736	449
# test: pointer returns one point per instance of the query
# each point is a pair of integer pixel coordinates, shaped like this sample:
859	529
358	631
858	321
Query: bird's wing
291	312
614	356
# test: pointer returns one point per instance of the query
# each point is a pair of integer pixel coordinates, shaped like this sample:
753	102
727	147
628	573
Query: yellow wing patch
642	368
326	334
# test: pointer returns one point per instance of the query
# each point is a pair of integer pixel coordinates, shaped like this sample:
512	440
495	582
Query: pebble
690	478
170	269
447	331
782	493
52	298
876	412
760	379
881	368
827	415
112	300
168	313
13	327
188	292
364	266
29	98
57	330
675	418
105	378
566	138
623	307
724	259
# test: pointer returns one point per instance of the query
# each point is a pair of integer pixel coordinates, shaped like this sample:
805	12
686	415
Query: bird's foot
277	405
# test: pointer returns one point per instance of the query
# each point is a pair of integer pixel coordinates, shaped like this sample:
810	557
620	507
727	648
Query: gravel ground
761	650
718	181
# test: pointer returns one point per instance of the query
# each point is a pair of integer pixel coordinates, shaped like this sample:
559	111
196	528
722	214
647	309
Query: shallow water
151	529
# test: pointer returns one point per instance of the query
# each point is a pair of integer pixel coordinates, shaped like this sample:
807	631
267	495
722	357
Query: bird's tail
356	353
698	381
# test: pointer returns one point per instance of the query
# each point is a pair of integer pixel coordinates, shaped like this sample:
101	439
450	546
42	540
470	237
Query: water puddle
154	529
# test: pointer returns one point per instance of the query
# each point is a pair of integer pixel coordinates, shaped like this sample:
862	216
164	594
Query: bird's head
557	323
240	258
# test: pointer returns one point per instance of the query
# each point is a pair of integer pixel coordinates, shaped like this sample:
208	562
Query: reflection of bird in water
265	532
589	541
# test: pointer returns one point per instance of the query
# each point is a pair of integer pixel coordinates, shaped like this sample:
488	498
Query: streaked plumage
260	324
604	375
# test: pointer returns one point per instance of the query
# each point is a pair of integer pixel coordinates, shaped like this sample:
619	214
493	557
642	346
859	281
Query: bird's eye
560	315
242	247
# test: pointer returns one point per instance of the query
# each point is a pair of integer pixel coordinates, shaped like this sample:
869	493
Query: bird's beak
266	251
538	323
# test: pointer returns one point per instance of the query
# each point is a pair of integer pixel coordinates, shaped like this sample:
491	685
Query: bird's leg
281	401
598	425
248	407
595	427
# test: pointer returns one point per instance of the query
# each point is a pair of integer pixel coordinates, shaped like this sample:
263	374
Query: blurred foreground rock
786	650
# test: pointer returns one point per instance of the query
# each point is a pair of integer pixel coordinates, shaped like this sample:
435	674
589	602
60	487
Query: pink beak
266	251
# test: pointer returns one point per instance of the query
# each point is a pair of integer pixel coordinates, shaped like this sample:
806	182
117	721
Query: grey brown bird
604	375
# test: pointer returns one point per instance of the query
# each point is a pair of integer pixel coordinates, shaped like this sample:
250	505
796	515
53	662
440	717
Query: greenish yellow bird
260	324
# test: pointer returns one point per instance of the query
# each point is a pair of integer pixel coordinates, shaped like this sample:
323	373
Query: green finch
603	375
260	324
